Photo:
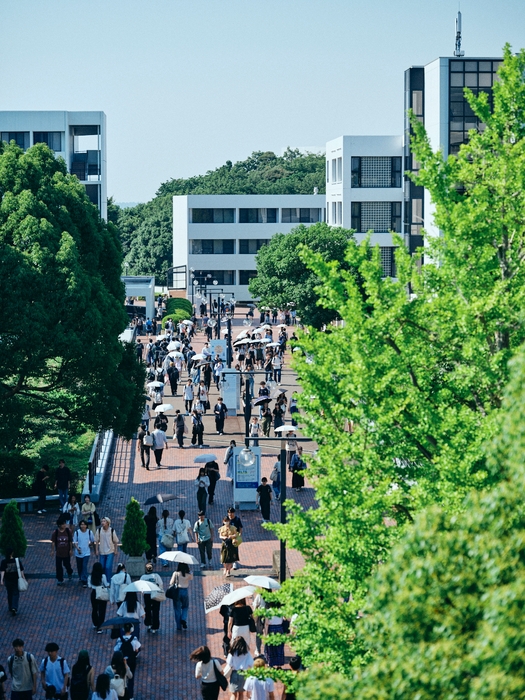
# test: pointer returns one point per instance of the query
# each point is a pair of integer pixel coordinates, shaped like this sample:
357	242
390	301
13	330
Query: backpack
29	658
79	688
62	661
126	647
148	440
158	397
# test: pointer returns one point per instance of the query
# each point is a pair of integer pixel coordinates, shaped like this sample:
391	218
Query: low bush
177	316
175	303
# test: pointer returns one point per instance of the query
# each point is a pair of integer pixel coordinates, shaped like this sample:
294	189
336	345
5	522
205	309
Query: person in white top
159	443
205	669
165	530
106	542
72	510
183	532
181	578
152	606
98	582
83	539
259	689
102	689
239	659
118	582
132	608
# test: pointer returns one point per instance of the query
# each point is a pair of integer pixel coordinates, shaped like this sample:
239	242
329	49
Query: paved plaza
63	614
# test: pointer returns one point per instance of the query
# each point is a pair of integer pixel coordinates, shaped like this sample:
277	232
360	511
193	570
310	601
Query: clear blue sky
189	84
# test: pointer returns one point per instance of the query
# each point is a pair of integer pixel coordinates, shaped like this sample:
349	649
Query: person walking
266	420
118	582
183	532
128	643
264	499
237	524
297	467
88	513
173	377
103	691
239	624
97	581
159	443
72	511
202	483
203	397
254	431
197	428
165	534
274	625
179	427
11	569
131	607
152	606
23	670
119	674
151	521
221	413
141	434
218	368
146	417
228	534
207	670
106	542
145	444
54	673
83	540
62	548
228	459
238	659
41	480
181	578
62	482
259	688
211	469
82	677
187	395
203	530
275	478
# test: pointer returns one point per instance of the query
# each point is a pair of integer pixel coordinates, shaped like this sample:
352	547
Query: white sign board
246	480
231	391
218	347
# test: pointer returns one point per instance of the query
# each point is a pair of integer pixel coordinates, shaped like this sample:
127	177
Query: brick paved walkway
48	612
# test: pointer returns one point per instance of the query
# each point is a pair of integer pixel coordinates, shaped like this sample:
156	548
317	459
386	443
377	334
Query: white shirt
238	663
163	529
123	612
104	582
259	689
118	580
82	539
112	695
76	512
152	578
160	439
54	675
181	528
207	671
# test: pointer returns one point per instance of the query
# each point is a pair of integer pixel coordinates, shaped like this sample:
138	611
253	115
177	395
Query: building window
334	213
388	261
339	219
219	246
376	171
327	171
246	275
249	246
93	192
300	216
417	102
379	217
212	216
334	170
52	138
21	138
257	216
339	170
222	277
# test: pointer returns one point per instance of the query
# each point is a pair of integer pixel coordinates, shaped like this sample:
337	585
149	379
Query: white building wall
184	231
63	122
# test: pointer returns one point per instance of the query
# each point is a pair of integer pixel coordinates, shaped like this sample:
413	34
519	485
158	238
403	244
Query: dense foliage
404	397
134	533
284	278
12	535
146	230
61	361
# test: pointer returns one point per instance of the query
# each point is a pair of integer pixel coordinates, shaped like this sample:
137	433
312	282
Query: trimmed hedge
174	303
177	316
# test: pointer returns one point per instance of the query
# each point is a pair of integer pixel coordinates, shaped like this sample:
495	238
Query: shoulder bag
22	583
167	540
101	593
173	591
221	678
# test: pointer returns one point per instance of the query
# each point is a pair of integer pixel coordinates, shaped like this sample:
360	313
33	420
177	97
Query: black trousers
63	561
98	609
219	427
152	608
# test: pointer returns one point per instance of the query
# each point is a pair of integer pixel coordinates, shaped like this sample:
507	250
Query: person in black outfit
41	488
264	499
151	521
213	474
9	578
62	482
161	422
221	413
173	376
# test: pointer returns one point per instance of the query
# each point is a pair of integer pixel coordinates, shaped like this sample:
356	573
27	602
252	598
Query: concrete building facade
77	137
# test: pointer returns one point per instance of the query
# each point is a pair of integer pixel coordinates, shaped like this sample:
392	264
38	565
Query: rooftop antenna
457	51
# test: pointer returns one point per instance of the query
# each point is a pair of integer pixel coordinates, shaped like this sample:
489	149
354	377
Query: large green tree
146	230
446	614
403	397
61	359
283	276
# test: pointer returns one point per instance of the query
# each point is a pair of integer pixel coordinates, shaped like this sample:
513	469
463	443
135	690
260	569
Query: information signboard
246	480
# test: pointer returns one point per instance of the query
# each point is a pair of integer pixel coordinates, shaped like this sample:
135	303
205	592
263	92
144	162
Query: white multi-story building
217	236
77	137
364	189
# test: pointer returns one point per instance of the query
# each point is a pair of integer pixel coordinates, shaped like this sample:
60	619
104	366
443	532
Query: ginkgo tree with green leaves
404	396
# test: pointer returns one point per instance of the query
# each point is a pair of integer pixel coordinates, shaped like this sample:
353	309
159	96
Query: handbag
173	591
167	540
159	596
101	593
237	540
22	583
118	685
251	625
223	682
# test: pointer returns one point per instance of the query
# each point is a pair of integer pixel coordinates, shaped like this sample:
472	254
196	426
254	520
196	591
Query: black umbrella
261	399
160	498
118	622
